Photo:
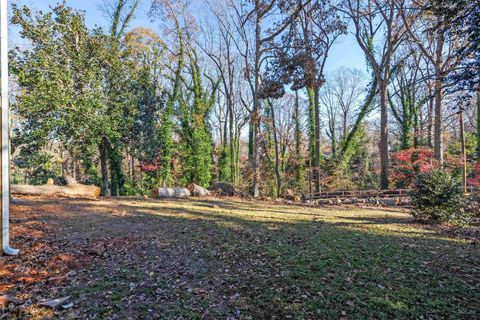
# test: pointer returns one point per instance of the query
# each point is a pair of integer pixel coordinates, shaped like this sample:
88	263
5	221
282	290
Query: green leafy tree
195	132
72	87
60	79
147	59
119	101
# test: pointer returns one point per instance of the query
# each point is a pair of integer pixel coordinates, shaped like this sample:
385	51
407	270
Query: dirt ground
232	259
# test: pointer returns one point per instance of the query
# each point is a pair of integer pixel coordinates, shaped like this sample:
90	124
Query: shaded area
214	259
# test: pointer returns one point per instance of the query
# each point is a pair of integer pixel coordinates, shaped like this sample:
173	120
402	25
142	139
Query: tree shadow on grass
187	259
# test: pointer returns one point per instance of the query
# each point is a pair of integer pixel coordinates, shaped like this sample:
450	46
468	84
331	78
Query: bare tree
259	13
329	101
220	47
379	31
341	97
301	56
428	28
283	122
348	86
409	93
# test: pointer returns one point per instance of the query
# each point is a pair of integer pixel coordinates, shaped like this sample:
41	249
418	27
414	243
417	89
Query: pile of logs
191	190
220	189
75	189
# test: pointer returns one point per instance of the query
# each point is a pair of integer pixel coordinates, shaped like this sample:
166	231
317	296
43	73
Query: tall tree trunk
317	141
104	167
421	126
438	144
283	154
430	122
334	145
310	188
231	134
114	188
277	152
237	154
225	149
406	125
256	105
383	147
132	168
250	141
299	171
311	131
225	129
416	128
117	178
464	156
78	171
438	136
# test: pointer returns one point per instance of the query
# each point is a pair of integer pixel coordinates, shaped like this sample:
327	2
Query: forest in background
242	96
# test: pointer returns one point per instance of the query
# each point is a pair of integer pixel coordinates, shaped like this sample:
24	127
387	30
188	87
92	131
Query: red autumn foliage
408	163
149	167
475	177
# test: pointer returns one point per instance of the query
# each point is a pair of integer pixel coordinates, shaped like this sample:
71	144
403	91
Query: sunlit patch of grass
251	260
374	221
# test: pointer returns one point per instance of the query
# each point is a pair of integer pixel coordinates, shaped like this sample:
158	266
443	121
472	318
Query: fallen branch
72	189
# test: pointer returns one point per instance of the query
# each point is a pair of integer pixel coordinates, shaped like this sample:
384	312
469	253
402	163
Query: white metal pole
5	134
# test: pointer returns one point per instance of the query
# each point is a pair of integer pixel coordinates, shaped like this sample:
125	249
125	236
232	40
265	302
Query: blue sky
345	53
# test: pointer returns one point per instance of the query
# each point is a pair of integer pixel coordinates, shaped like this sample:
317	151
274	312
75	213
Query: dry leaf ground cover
233	259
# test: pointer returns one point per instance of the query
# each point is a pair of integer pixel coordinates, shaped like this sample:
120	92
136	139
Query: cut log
182	193
165	193
223	189
76	190
198	191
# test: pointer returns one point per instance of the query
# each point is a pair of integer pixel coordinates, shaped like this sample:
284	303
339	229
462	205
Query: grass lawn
233	259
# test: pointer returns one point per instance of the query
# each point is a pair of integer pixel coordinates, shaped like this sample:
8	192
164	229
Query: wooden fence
362	194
